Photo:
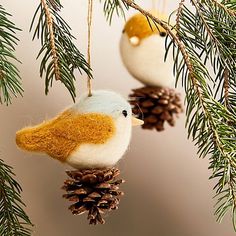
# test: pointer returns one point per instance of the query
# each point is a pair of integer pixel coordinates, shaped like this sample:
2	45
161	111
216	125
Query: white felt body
104	155
146	61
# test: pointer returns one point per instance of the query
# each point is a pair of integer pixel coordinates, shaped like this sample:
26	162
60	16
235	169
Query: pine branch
111	6
10	84
177	25
220	42
60	56
229	6
208	37
226	87
13	219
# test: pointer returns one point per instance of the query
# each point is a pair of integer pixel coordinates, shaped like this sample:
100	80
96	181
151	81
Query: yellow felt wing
61	136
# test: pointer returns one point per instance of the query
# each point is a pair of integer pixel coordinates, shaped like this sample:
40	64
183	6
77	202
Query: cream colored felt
93	155
95	132
62	135
146	60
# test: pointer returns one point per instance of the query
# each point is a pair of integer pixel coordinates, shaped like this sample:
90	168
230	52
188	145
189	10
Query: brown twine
164	6
226	86
89	21
52	39
157	4
1	75
154	4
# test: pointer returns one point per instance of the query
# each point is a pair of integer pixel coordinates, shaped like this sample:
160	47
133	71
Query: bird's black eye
123	31
162	34
125	113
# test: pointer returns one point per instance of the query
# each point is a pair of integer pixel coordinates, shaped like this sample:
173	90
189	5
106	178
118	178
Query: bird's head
108	103
138	28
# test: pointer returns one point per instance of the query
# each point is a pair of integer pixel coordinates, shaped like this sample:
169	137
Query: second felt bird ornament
142	48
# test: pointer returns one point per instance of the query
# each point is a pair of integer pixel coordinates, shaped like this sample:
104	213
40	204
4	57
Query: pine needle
10	84
59	55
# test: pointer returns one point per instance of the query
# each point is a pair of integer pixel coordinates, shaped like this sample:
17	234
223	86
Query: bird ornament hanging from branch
91	136
142	48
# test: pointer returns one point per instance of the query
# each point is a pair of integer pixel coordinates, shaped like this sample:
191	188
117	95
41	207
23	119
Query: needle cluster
13	219
10	84
59	55
203	45
204	52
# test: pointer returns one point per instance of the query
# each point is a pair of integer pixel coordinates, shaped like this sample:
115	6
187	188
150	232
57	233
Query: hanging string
159	5
89	21
164	6
154	4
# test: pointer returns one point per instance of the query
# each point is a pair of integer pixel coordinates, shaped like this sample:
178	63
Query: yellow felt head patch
62	135
138	26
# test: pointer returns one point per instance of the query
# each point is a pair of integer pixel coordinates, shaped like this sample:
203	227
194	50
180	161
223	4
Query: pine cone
156	105
93	190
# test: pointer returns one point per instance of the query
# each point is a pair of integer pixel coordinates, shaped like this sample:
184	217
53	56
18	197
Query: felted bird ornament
142	50
93	133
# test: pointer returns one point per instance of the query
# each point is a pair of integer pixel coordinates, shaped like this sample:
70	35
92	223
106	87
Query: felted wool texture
139	26
92	133
145	62
60	137
109	154
103	101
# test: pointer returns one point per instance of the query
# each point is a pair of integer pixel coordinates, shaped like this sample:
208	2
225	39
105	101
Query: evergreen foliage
10	84
202	38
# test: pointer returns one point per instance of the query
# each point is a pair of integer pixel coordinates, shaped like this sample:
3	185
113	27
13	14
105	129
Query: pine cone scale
94	191
156	106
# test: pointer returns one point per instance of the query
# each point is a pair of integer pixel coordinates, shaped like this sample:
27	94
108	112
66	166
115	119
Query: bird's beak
135	41
136	122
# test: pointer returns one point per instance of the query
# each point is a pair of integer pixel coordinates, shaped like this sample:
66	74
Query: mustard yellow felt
139	26
61	136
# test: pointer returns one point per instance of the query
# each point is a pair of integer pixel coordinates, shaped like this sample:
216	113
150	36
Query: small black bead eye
123	31
162	34
125	113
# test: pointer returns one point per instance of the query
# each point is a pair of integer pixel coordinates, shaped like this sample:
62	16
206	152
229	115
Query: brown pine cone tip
95	191
155	105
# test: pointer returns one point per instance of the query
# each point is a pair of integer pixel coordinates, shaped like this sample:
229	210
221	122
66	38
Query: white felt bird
93	133
142	50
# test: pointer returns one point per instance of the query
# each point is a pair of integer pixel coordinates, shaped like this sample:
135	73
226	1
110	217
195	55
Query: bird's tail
31	139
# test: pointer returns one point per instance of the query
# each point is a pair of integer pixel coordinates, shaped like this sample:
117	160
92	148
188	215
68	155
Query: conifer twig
10	84
177	25
207	36
52	38
226	87
13	219
60	56
230	11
